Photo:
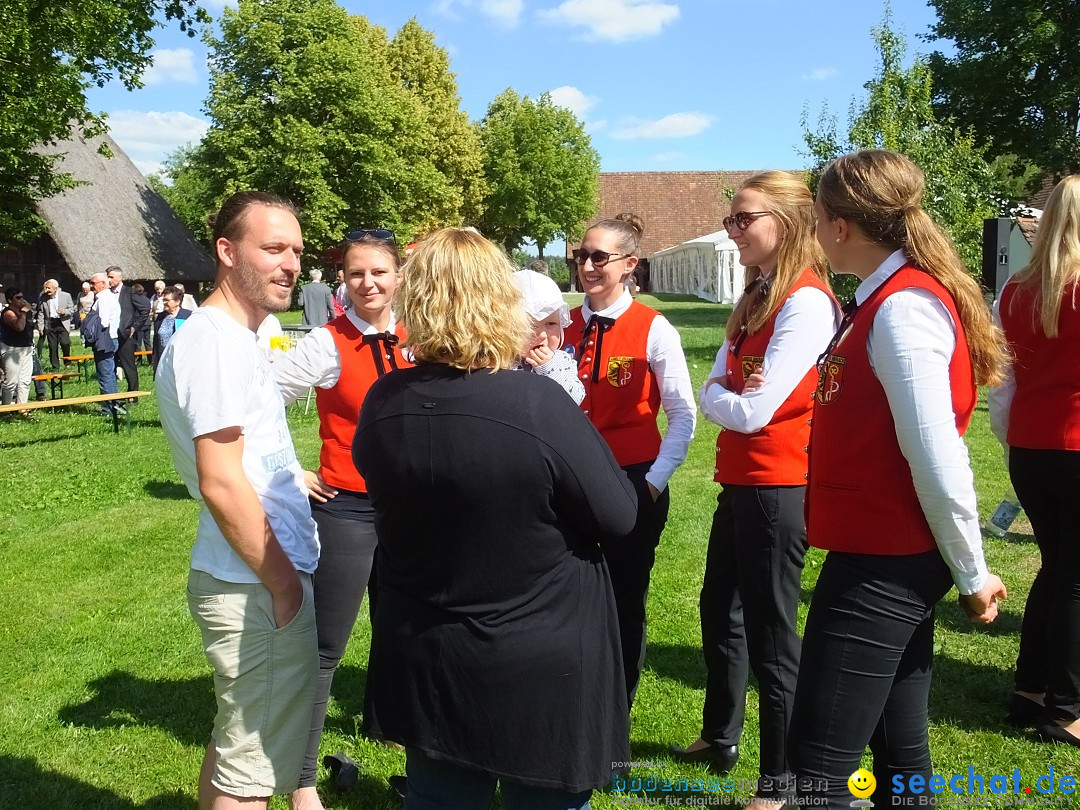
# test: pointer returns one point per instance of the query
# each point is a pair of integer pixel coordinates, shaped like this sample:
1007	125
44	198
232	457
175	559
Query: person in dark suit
167	321
54	320
133	310
142	326
495	642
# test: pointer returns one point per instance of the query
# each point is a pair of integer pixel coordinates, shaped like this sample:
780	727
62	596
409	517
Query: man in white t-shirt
249	587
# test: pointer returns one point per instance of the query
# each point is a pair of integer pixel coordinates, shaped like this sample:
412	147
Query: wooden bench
18	407
55	380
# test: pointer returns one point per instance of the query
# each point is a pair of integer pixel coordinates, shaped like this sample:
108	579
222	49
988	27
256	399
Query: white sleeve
668	365
999	397
910	345
562	369
313	361
804	326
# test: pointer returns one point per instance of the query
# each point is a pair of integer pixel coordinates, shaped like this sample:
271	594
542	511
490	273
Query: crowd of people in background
494	476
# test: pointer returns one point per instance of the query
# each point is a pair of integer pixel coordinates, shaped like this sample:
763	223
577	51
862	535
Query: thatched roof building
116	218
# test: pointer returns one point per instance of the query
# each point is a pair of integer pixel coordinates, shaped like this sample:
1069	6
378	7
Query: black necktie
598	325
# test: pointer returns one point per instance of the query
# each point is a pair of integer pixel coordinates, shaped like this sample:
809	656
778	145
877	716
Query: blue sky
662	85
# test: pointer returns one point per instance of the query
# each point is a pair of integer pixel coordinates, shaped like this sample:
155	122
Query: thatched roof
117	218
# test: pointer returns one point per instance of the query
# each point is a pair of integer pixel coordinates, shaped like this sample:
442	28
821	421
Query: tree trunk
540	250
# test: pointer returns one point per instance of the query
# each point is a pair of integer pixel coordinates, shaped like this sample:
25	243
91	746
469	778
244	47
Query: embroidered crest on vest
830	379
620	370
749	363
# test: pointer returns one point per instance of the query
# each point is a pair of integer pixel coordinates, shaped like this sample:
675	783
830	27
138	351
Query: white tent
707	267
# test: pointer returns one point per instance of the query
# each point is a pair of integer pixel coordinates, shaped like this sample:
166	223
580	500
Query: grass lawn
106	699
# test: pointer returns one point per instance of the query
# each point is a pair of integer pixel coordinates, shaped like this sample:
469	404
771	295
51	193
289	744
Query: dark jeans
749	608
57	333
125	359
630	560
347	538
865	672
1047	482
438	785
105	363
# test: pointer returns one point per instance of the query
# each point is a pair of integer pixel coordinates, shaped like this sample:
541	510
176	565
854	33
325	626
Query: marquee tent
707	267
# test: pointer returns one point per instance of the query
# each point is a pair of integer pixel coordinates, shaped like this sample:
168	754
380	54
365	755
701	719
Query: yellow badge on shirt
830	378
620	370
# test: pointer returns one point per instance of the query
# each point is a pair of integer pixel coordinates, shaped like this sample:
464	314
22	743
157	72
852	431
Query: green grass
106	699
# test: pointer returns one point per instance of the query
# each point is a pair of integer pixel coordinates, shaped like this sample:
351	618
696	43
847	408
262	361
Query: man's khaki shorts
264	680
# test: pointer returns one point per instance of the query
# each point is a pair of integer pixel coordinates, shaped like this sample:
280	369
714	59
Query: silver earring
838	240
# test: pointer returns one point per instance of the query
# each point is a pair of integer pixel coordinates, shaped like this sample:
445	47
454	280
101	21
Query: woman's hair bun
634	221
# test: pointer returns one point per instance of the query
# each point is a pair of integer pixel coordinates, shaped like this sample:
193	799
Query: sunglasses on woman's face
598	257
742	219
384	234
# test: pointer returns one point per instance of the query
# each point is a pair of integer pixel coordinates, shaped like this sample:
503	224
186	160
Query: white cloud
668	157
819	74
676	125
505	13
148	137
572	99
613	20
596	126
171	65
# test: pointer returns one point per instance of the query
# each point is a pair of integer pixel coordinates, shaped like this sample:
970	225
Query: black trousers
57	334
749	609
1047	482
630	560
348	542
865	673
125	360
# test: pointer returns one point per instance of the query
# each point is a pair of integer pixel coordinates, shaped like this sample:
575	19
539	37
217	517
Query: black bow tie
375	343
597	325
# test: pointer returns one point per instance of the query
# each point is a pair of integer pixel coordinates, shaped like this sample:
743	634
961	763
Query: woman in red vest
891	493
341	360
750	595
1036	414
631	362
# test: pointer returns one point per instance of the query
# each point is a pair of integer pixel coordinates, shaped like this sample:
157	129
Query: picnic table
83	360
55	380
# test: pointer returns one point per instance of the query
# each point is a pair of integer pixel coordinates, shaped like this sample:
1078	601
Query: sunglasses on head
385	234
743	219
598	257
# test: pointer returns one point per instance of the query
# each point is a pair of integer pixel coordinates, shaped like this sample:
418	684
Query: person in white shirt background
891	494
341	360
108	308
753	570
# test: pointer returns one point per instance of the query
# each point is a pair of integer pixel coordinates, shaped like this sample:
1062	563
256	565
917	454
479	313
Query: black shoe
721	758
343	771
399	784
1049	730
1023	711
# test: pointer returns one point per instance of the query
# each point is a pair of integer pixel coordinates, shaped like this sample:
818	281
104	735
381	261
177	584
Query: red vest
622	398
1045	412
860	496
776	454
339	406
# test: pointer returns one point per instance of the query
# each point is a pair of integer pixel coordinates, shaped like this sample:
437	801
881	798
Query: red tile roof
675	206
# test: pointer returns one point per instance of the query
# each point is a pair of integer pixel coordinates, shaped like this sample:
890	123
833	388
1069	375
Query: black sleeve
593	492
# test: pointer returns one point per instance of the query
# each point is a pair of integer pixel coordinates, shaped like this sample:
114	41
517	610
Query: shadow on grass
23	783
166	490
677	662
183	708
67	437
350	683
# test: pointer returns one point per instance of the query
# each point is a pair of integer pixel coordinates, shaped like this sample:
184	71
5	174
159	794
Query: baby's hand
538	355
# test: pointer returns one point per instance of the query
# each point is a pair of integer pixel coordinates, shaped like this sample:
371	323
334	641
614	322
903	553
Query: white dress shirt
108	306
315	360
805	324
667	362
999	397
910	345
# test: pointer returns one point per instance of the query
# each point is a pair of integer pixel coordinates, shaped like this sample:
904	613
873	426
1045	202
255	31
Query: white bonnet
541	296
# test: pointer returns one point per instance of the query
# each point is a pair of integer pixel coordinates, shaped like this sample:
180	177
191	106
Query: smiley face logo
861	784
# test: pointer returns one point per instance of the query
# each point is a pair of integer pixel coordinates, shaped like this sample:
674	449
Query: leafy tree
423	69
541	171
50	53
304	103
961	187
1015	77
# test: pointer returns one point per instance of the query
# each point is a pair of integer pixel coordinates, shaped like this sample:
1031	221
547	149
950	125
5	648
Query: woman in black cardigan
495	645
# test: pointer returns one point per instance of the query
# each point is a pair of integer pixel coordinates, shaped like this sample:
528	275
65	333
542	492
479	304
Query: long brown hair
881	192
1055	255
789	199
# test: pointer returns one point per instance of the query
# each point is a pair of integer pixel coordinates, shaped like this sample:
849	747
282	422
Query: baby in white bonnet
544	303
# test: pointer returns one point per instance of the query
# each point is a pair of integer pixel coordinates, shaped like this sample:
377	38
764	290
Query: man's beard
255	288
